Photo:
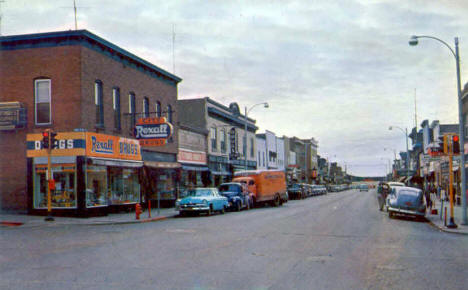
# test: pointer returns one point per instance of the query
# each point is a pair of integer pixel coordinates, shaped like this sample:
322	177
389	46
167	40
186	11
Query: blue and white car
207	200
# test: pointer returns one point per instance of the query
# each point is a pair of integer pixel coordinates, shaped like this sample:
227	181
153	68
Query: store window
42	101
64	195
124	185
96	186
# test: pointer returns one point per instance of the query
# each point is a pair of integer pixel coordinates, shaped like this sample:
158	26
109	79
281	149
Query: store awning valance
194	168
116	162
167	165
220	173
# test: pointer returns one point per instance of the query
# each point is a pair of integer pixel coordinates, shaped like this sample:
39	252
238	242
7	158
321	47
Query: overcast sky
339	71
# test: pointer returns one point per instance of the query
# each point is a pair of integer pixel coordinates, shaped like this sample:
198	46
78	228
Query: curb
96	223
443	229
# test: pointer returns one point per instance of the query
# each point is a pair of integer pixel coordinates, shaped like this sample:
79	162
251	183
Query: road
336	241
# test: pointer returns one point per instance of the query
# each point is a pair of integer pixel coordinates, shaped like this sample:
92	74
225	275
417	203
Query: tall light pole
265	105
461	126
407	151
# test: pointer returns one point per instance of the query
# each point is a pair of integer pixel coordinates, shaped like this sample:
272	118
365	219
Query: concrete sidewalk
437	220
23	220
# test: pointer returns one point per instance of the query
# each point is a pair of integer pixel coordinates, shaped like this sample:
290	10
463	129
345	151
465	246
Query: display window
96	186
64	194
124	185
165	186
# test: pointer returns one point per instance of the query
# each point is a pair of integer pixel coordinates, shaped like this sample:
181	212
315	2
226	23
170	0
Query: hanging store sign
153	131
188	156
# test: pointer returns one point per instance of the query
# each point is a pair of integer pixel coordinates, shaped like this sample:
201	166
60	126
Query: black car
296	191
237	195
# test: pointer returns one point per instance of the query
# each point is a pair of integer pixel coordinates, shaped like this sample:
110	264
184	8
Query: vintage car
363	187
207	200
407	201
295	191
237	194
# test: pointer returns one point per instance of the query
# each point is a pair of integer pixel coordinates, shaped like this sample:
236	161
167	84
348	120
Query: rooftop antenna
1	1
74	12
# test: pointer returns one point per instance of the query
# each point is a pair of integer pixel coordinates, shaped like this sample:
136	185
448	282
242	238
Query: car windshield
230	188
197	192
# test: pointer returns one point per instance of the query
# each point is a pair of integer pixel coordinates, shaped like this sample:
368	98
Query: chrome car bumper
197	207
406	211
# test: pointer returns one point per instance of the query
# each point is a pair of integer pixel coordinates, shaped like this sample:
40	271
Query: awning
194	168
220	173
116	162
167	165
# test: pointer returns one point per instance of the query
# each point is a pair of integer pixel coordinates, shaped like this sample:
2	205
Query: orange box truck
267	186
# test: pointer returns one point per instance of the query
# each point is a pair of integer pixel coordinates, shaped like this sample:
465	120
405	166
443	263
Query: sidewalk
23	220
437	220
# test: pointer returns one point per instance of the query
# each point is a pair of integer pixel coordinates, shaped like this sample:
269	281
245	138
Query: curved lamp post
407	151
413	42
265	105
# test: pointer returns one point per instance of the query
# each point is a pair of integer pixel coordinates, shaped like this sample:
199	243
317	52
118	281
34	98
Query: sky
341	72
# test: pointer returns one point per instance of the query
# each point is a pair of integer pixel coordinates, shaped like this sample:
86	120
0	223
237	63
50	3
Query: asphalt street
336	241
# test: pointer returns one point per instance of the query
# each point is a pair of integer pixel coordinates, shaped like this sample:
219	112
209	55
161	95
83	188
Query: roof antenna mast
74	9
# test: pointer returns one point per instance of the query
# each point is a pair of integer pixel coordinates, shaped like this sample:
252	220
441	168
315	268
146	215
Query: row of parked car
303	190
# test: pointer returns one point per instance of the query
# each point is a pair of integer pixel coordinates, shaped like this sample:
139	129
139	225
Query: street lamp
265	105
407	151
413	42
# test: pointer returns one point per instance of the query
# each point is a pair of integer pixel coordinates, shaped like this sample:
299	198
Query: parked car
237	194
404	200
198	200
321	189
296	191
363	187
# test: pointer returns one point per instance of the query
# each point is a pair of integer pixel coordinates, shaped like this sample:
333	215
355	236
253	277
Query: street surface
336	241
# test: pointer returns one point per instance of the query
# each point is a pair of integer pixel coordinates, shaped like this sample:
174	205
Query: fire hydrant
137	211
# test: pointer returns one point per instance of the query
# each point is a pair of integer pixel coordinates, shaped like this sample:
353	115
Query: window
64	195
131	109
251	147
99	103
244	145
146	107
213	139
158	109
43	101
169	113
96	186
124	186
116	102
222	138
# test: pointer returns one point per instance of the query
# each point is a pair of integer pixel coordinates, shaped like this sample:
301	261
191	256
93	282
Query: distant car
407	201
295	191
319	189
363	187
237	195
207	200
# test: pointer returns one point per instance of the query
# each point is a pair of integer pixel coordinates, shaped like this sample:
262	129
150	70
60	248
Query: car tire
276	201
238	206
210	211
223	210
390	214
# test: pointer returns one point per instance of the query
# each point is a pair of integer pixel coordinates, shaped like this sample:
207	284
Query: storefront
195	172
94	174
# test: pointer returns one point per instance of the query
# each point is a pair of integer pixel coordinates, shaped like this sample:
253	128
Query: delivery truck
267	186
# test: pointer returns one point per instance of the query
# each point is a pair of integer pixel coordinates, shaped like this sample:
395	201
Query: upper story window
132	108
222	138
116	105
213	139
146	107
98	100
42	88
252	147
169	113
158	109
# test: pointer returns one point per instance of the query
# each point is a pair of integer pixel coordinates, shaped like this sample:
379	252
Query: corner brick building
85	89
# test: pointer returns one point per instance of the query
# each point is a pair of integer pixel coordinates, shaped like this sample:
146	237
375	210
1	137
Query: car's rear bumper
405	211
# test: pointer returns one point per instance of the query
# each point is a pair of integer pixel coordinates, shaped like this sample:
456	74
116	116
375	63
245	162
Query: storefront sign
188	156
153	131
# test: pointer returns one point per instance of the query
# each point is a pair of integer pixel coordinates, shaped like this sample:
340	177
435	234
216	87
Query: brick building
91	92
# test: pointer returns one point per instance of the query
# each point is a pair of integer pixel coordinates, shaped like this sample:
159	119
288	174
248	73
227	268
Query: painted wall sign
153	131
194	157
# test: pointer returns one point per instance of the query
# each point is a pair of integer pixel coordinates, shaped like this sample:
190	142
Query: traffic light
52	139
456	144
45	140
